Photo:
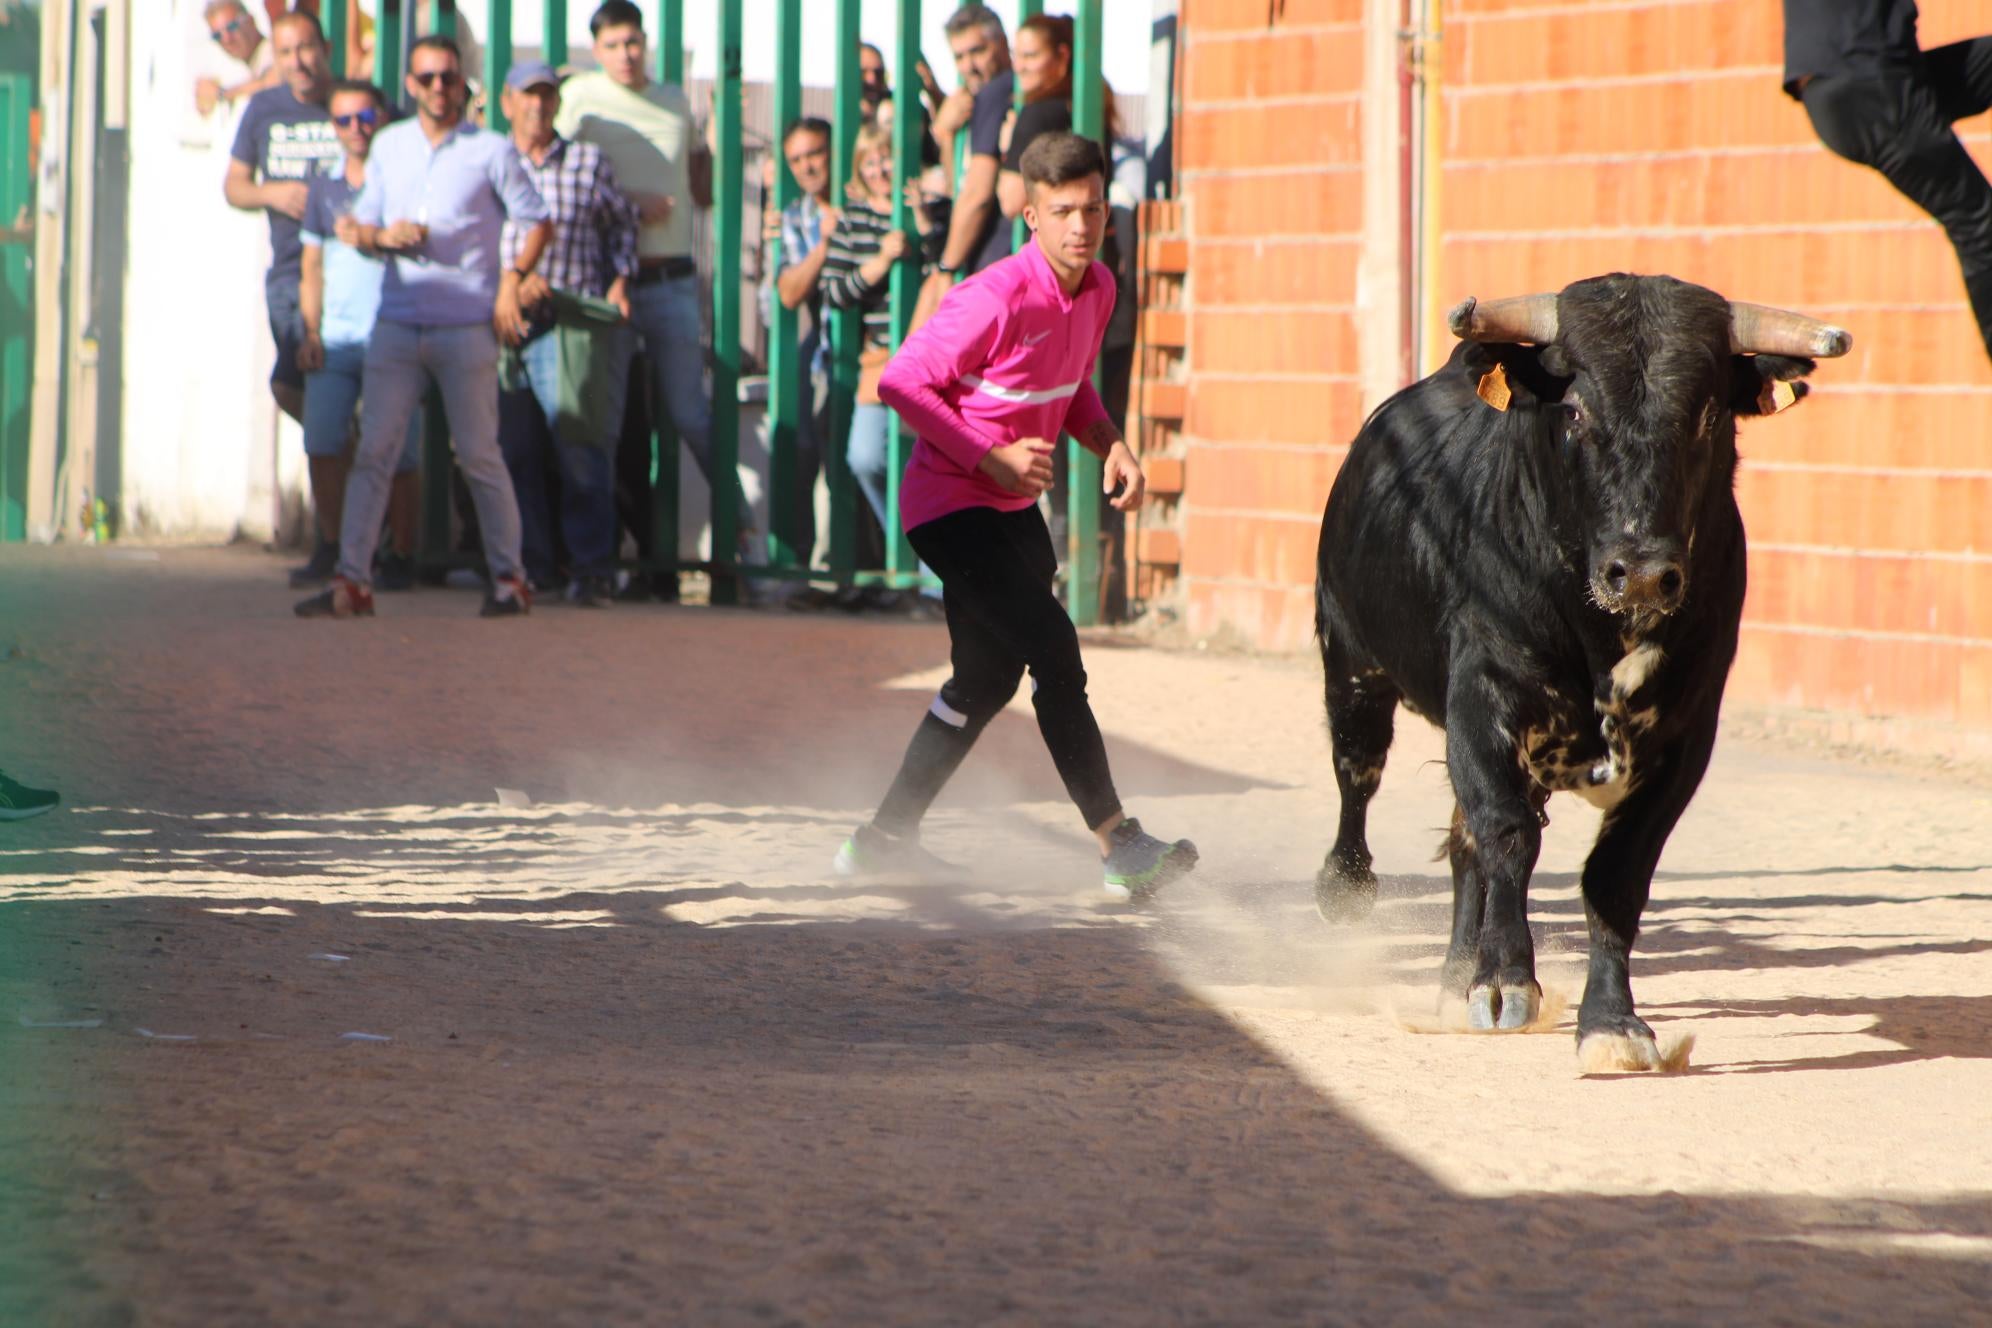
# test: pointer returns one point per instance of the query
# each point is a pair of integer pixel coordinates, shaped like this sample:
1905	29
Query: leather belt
663	269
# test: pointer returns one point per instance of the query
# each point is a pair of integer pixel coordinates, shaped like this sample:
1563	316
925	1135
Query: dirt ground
649	1063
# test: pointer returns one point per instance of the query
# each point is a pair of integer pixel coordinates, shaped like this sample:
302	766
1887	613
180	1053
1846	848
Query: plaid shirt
802	231
594	226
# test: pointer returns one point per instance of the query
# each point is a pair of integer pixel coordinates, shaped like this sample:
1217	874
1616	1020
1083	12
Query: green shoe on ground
18	802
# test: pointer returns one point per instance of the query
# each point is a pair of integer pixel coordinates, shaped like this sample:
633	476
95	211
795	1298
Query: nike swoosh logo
1032	341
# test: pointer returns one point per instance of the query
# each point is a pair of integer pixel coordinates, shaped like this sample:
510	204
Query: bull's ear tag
1776	396
1494	389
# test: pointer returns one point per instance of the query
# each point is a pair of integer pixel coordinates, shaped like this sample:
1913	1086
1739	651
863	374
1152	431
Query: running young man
988	383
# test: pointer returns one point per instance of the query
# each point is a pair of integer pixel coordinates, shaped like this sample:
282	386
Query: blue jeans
401	359
869	455
665	315
330	396
586	474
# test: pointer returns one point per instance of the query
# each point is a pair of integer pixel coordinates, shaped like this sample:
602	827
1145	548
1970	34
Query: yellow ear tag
1494	389
1775	397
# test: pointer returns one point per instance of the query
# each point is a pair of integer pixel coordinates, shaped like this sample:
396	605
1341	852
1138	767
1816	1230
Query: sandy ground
649	1063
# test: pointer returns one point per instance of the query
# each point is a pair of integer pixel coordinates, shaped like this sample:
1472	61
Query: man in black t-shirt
285	139
976	237
1876	98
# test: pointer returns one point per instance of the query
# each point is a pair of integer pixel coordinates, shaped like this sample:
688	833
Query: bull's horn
1529	318
1758	329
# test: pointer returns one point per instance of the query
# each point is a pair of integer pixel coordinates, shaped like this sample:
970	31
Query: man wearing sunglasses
243	64
285	139
339	298
438	194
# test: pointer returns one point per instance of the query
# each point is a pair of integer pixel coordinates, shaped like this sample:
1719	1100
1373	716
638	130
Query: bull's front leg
1495	840
1618	879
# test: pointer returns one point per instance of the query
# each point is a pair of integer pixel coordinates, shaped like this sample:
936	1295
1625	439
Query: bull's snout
1642	580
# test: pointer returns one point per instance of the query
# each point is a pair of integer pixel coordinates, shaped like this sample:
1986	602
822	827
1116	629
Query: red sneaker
341	599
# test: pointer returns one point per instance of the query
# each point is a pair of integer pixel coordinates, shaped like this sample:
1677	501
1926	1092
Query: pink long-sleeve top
1008	355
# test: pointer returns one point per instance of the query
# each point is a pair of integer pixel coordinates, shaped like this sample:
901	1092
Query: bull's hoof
1342	897
1629	1047
1505	1009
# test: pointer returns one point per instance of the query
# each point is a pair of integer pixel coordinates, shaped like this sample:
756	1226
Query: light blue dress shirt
463	189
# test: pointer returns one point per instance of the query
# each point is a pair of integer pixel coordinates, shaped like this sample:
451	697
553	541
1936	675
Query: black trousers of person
1901	126
996	571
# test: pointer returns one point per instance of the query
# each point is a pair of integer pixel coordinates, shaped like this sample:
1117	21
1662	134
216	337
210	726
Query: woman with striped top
857	274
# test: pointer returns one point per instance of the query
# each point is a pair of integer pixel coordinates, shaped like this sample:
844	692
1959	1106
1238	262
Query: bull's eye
1573	416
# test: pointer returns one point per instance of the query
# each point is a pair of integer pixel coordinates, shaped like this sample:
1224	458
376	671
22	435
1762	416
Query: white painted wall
201	454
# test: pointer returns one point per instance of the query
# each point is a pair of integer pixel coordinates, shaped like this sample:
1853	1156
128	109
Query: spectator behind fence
875	103
437	196
808	225
575	358
982	61
338	299
646	130
1876	98
1043	54
857	274
242	63
285	139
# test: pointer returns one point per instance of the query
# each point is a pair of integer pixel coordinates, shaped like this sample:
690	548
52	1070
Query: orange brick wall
1579	138
1269	159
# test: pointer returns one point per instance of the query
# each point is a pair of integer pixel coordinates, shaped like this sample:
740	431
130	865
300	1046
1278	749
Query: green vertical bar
497	61
785	369
666	459
553	33
671	43
848	325
443	17
17	334
388	55
727	196
1083	469
335	35
905	276
437	464
1020	231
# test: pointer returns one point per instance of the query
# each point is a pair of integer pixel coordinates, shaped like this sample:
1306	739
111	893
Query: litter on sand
164	1037
514	798
364	1037
329	957
60	1023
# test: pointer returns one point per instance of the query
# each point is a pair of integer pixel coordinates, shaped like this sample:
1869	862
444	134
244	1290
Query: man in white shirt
242	65
646	130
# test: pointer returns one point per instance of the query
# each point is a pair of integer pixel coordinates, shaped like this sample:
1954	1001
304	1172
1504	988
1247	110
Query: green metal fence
17	304
782	557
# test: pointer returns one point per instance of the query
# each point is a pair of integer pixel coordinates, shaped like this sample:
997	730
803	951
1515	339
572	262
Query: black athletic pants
996	571
1901	126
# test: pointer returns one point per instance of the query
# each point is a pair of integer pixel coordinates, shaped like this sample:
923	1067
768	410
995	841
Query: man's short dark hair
303	16
806	124
436	41
974	16
1059	158
615	14
362	87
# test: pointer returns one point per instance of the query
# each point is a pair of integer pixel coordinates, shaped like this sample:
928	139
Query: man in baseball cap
592	254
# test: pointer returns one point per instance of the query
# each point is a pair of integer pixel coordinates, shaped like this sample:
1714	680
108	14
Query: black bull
1538	548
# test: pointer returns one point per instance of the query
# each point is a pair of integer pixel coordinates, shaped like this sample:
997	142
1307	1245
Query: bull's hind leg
1362	709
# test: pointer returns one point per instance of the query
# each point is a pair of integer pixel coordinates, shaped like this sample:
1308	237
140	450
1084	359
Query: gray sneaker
870	851
1140	864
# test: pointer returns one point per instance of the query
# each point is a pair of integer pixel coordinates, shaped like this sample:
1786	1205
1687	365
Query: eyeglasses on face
364	119
449	78
228	29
